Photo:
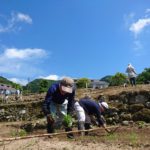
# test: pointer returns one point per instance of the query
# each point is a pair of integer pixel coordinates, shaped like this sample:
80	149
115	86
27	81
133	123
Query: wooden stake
55	134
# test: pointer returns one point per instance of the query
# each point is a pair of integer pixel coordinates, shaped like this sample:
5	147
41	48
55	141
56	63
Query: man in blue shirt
58	103
87	107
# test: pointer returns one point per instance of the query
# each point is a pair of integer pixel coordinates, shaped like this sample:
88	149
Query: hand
108	131
50	119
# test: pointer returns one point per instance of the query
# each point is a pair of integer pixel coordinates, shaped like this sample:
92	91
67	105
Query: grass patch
133	137
141	124
111	137
20	132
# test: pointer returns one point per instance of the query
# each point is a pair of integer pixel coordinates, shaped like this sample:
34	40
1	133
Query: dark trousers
50	127
132	81
87	127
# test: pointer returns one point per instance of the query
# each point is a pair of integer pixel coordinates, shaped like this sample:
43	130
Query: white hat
104	105
130	66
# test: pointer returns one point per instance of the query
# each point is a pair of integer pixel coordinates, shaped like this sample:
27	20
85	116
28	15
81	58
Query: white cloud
138	26
11	24
19	81
12	53
24	18
50	77
22	62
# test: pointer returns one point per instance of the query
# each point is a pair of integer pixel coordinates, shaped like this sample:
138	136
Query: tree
144	77
43	86
35	85
17	86
83	83
118	79
106	78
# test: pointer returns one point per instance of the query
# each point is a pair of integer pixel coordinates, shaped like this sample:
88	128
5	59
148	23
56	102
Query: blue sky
77	38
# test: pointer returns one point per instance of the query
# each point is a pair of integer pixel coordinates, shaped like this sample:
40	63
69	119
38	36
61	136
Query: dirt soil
114	90
125	138
94	93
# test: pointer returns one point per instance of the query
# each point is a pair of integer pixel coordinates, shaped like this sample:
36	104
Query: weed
111	137
19	132
133	138
141	124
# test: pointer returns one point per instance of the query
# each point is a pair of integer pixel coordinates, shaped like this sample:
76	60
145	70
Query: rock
28	127
143	115
2	111
148	104
124	116
125	123
135	107
140	99
123	107
22	111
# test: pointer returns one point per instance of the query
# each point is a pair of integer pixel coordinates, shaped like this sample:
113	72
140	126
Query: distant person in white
131	74
17	94
6	95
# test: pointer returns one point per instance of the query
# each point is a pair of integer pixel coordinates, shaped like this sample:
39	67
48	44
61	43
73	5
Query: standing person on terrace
131	74
58	103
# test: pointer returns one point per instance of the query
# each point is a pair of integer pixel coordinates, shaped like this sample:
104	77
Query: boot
50	129
87	127
81	127
69	135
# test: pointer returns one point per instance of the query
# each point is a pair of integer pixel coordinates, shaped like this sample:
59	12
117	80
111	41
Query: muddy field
125	138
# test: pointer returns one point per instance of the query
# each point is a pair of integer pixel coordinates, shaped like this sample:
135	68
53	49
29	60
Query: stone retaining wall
128	107
124	108
21	111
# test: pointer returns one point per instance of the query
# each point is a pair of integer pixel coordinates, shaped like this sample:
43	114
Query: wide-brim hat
66	89
67	84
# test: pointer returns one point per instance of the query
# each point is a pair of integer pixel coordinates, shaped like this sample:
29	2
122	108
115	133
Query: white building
98	84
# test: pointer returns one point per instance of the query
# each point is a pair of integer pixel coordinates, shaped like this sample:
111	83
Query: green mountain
36	85
106	78
7	82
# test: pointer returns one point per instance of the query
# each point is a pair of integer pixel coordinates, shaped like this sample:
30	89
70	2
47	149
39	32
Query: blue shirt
53	94
92	108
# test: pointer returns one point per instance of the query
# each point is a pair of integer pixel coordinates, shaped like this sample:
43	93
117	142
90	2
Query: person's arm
46	103
71	100
134	71
46	106
101	121
103	124
106	129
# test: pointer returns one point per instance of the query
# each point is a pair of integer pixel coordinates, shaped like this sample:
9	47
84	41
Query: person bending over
87	107
58	103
